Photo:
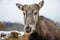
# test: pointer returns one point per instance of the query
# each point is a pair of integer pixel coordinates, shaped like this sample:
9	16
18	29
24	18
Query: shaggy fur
41	28
46	29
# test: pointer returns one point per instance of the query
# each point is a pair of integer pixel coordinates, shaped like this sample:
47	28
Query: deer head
31	15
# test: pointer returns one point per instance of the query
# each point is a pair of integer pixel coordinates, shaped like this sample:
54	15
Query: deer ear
20	6
40	4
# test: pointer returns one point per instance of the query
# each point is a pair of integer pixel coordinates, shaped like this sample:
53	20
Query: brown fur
42	28
46	29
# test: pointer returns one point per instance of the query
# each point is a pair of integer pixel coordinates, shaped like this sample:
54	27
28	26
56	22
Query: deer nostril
28	29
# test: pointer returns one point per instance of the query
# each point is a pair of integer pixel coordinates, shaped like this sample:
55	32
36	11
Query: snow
8	32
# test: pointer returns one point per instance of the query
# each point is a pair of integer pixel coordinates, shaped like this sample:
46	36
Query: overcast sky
9	11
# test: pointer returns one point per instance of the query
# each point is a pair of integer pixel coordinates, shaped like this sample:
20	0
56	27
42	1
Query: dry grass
23	37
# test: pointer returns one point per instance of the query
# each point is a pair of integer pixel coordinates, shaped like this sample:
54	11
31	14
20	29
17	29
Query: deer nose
28	29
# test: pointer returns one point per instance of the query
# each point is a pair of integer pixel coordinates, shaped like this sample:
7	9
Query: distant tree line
8	26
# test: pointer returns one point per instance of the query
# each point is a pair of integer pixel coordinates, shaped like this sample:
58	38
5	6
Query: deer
38	27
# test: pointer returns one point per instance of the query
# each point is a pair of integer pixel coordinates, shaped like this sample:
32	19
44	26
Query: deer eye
23	13
35	13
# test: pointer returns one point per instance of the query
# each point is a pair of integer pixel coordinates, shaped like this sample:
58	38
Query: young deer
38	27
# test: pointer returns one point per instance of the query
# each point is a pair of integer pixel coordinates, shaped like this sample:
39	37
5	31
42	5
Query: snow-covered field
8	32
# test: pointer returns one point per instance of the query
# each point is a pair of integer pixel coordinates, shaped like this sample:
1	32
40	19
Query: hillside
12	26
